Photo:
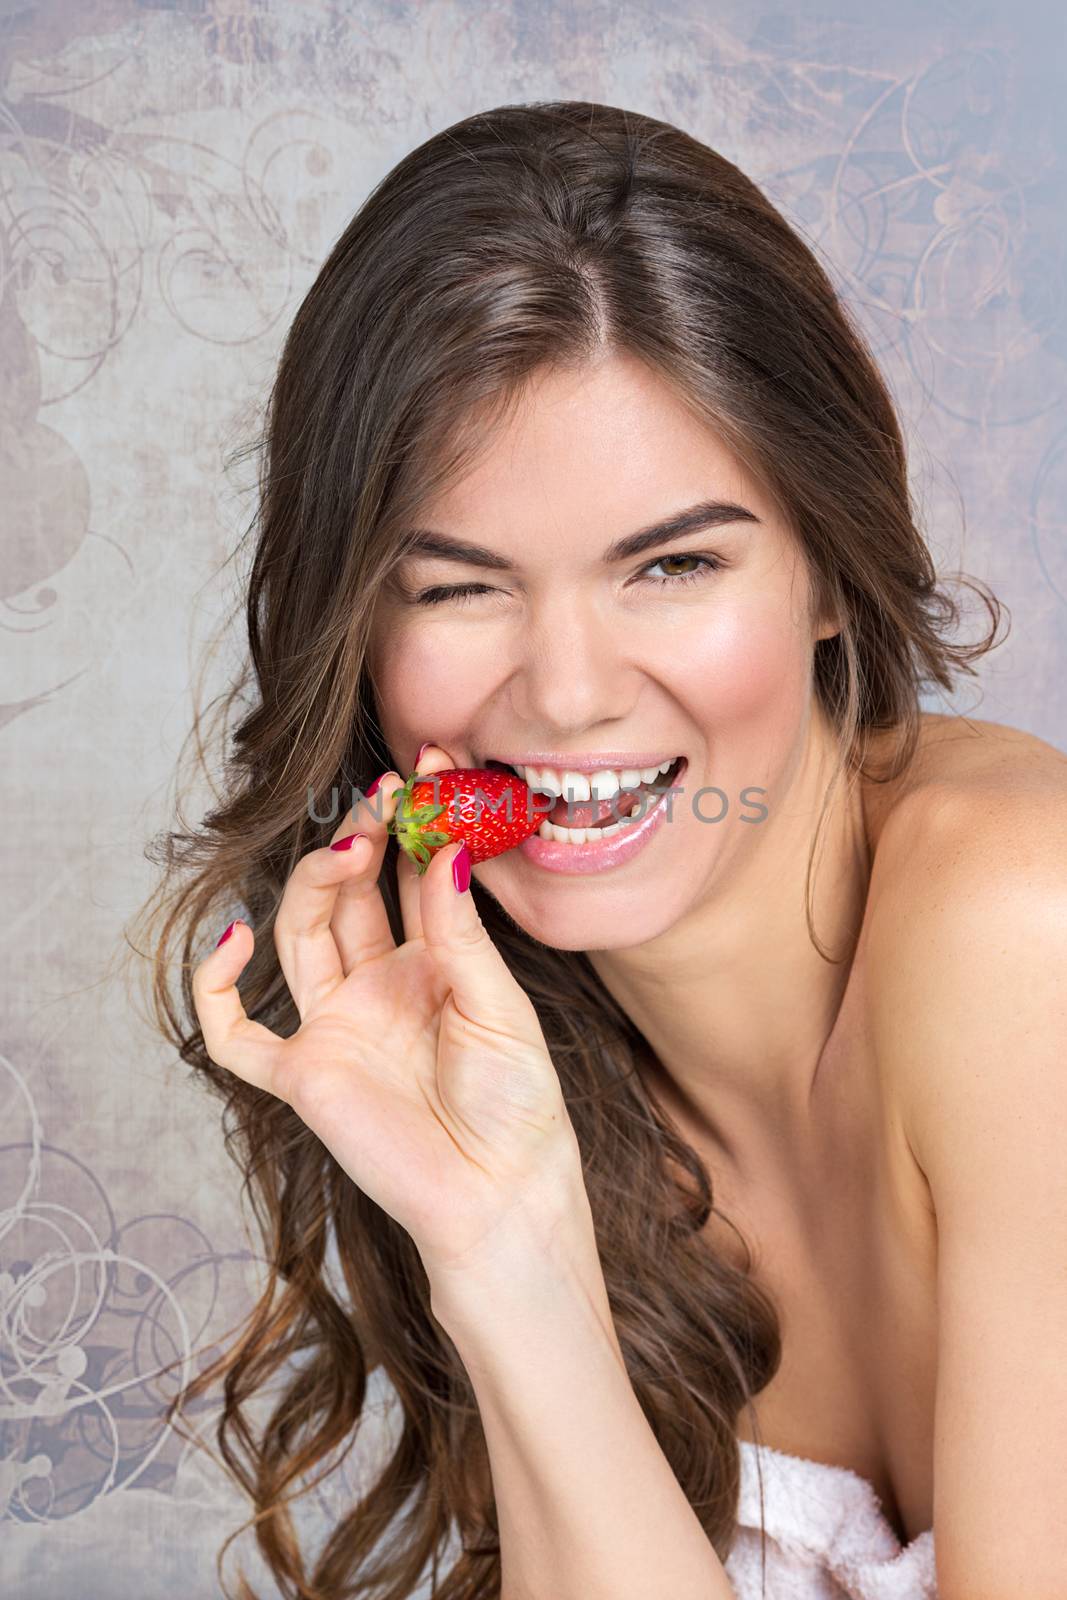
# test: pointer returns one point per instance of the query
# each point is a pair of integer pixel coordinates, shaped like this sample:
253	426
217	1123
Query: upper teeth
599	785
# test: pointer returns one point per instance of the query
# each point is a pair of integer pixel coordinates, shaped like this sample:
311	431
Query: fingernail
374	786
348	841
422	750
461	869
226	935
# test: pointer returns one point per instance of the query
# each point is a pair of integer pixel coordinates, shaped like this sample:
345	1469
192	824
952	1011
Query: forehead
596	451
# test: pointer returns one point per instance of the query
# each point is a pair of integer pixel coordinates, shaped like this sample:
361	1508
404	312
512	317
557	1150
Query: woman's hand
423	1067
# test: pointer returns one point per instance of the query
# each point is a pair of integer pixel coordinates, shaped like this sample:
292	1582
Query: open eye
707	564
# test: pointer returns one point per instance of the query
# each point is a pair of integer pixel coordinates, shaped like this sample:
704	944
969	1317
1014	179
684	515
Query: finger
359	922
408	879
409	891
312	961
231	1038
483	988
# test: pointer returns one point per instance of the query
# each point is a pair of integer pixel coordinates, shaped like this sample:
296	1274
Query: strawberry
490	811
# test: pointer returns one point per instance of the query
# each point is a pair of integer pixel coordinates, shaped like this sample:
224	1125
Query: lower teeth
553	833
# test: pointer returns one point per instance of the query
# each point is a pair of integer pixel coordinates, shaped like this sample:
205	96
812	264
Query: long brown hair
521	238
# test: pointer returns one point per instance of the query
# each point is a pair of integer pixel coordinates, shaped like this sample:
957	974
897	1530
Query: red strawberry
490	811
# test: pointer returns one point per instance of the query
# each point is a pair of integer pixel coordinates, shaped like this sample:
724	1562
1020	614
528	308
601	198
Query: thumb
483	987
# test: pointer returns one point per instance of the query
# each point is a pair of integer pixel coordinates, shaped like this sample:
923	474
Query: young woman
719	1156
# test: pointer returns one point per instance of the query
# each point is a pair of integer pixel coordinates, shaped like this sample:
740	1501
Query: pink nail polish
422	750
461	869
374	786
226	935
348	841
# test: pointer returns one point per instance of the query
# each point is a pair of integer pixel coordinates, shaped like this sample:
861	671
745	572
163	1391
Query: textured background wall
171	175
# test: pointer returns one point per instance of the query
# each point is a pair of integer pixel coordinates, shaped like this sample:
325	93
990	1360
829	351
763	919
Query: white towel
827	1536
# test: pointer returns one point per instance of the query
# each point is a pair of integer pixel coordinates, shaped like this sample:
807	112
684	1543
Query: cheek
429	683
748	665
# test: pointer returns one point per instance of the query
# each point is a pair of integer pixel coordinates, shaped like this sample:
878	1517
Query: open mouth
575	817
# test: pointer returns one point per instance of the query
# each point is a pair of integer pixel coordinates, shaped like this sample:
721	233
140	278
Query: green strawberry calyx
409	824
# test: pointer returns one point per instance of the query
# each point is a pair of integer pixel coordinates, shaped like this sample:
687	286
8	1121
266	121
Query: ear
822	614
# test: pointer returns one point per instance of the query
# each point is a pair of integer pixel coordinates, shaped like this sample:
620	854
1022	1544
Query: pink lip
583	859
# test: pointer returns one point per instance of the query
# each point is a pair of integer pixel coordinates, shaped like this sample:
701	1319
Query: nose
574	670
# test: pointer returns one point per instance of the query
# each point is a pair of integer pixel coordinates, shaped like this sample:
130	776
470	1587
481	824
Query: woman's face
564	650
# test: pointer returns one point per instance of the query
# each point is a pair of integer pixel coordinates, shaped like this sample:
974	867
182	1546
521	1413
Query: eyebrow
694	519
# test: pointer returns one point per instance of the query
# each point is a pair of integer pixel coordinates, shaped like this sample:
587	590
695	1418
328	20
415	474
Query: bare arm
969	973
424	1070
587	1504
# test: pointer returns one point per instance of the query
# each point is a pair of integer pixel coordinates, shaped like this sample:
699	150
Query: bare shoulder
967	788
959	761
980	811
969	873
967	1018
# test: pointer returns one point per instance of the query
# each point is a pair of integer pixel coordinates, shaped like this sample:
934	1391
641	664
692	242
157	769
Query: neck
735	1000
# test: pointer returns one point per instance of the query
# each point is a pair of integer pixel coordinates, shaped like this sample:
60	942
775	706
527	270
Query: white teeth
552	832
543	778
602	785
599	785
575	786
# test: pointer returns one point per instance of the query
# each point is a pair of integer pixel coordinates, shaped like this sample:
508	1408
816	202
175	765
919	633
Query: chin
581	927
